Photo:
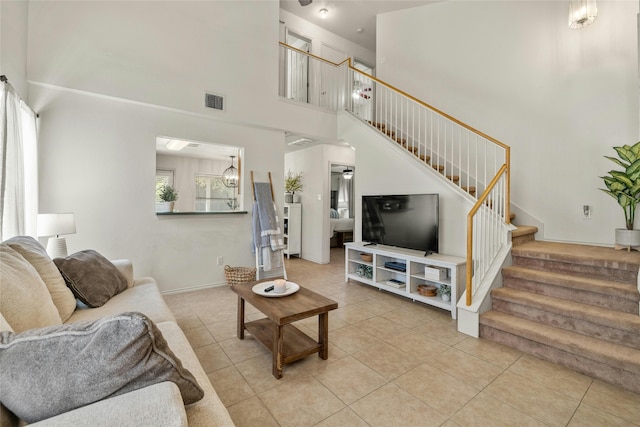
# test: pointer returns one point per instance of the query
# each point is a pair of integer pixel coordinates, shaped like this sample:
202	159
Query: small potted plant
624	186
168	195
292	183
445	292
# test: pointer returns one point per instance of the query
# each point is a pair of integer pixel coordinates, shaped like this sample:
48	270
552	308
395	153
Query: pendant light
582	13
230	175
347	174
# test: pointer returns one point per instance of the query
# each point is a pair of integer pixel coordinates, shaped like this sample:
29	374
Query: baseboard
193	288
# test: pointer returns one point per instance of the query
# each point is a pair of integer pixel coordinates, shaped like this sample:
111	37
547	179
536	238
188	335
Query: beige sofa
32	307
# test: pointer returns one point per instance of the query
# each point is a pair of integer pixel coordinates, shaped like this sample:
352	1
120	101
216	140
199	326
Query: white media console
405	283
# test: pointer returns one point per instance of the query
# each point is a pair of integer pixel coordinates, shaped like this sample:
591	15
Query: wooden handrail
314	56
504	168
432	108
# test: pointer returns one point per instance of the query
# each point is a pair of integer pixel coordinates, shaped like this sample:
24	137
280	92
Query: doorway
342	204
296	86
331	84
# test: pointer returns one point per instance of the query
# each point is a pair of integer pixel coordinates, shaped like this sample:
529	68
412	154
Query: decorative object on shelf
624	186
395	283
230	175
292	183
445	292
366	257
435	273
427	290
168	195
55	226
582	13
365	271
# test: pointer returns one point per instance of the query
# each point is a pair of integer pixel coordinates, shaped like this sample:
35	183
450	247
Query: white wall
169	54
13	44
315	163
560	98
383	168
98	160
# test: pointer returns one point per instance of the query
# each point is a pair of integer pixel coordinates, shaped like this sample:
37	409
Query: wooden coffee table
285	342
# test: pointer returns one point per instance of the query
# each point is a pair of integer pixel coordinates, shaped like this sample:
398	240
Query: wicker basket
235	275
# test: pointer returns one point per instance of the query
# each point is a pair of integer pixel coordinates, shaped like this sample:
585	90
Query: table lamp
54	226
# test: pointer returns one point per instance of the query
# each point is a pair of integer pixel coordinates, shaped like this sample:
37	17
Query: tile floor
392	362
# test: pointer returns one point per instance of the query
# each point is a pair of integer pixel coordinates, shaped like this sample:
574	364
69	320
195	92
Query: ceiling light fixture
323	13
230	175
347	174
300	141
359	30
582	13
176	145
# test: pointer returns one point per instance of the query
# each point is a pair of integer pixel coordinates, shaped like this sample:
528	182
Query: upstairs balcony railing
469	160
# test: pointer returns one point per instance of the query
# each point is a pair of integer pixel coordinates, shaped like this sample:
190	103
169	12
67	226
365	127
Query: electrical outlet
219	260
586	211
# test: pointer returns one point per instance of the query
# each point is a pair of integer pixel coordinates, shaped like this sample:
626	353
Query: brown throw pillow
49	371
92	278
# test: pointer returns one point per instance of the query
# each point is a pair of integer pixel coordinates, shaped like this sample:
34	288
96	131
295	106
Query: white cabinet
292	228
401	271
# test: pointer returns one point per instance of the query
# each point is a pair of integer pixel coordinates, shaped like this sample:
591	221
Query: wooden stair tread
471	189
620	356
576	310
377	124
522	230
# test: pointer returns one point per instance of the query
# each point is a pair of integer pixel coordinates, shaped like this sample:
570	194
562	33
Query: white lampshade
54	225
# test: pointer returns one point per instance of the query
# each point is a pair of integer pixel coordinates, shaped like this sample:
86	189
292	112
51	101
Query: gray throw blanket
267	237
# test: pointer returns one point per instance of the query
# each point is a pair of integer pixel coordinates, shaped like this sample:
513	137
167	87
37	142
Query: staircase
390	133
574	305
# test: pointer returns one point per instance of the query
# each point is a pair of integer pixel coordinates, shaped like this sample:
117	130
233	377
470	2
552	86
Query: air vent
214	101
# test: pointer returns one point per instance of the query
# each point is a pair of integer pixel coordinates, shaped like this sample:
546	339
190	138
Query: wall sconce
54	226
230	175
582	13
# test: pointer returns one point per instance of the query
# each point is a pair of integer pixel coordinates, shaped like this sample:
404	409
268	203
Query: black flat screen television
407	221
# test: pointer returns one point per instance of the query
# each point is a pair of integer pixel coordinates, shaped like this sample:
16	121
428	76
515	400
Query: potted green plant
168	195
624	186
292	183
445	292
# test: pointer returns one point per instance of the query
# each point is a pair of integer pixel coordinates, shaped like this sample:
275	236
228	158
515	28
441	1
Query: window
213	195
19	174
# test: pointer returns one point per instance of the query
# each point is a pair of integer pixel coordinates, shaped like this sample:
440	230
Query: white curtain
345	199
18	166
